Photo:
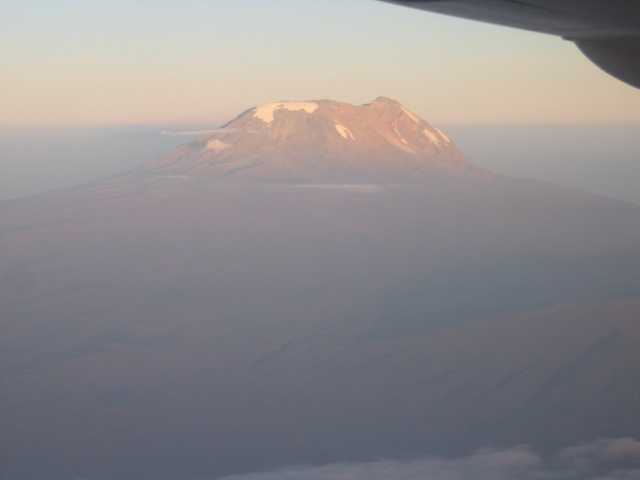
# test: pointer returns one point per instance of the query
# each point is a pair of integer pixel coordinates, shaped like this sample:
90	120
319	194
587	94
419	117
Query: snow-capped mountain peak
318	141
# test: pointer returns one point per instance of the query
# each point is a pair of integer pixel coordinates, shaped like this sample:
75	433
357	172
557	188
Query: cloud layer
617	459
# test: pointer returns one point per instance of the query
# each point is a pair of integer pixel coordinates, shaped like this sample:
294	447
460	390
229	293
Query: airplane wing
606	31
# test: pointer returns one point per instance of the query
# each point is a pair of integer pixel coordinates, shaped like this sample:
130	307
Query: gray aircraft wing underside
606	31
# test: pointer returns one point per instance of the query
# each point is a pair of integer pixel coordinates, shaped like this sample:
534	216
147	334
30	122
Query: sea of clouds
612	459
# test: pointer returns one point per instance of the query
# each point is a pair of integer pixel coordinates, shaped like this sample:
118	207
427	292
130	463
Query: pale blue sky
74	62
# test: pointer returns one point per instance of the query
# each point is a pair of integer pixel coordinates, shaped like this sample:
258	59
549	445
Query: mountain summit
321	141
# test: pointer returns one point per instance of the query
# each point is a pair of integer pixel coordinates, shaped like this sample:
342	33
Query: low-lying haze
601	159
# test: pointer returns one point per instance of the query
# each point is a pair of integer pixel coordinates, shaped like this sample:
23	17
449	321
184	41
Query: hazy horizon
35	160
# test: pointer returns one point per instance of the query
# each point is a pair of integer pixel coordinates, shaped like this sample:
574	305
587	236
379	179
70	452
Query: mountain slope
188	321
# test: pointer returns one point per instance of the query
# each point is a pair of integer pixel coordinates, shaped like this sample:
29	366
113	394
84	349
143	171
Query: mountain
303	286
321	141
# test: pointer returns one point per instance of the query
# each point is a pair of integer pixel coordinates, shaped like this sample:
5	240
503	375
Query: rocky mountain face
314	282
322	141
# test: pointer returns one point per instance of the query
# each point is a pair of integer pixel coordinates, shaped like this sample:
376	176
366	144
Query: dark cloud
617	459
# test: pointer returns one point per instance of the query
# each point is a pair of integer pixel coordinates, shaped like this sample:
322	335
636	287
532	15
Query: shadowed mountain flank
443	299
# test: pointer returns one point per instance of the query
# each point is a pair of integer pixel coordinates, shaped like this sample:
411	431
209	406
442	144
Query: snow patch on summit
400	137
431	136
265	112
410	115
217	145
446	139
436	138
344	131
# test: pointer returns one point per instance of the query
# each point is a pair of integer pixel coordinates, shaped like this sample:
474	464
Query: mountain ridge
318	141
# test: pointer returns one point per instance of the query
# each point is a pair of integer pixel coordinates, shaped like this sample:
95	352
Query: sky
117	62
